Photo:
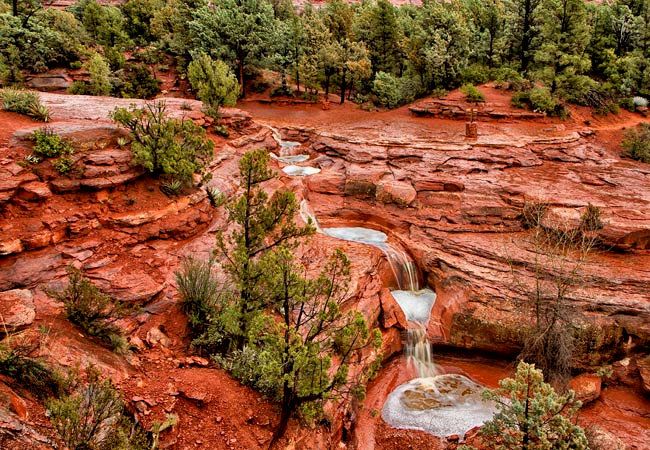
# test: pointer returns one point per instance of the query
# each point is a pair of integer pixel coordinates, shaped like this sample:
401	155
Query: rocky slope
453	203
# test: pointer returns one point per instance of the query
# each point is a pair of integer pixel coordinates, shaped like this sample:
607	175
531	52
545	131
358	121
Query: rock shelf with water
443	405
300	171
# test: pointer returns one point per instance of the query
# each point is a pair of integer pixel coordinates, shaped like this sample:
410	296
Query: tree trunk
241	78
343	87
327	85
14	7
285	415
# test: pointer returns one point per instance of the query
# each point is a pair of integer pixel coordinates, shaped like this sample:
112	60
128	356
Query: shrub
636	143
532	214
91	310
539	99
509	78
640	102
94	418
136	81
590	219
199	293
216	197
476	74
387	90
163	146
30	373
627	103
24	102
99	78
213	82
532	415
472	93
48	144
64	164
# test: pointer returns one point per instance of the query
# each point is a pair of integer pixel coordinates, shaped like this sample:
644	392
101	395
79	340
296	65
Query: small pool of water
416	304
442	405
300	171
291	159
357	234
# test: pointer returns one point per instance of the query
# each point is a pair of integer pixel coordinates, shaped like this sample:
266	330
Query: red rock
398	192
586	386
391	313
35	191
10	246
644	371
156	337
17	309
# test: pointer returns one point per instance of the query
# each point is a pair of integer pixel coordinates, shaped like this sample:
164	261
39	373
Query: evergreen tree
377	27
314	331
532	416
213	83
262	224
236	31
522	27
489	21
564	36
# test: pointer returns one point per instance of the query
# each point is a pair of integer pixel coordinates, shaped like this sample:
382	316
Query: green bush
24	102
178	148
472	93
30	373
92	310
137	81
476	74
99	82
532	415
48	144
539	99
94	418
509	78
64	164
387	90
636	143
213	82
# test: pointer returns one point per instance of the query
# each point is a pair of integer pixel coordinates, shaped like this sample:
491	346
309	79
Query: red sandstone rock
644	370
16	309
391	313
398	192
586	386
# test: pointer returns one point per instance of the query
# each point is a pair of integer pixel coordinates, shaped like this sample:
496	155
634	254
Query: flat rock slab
17	309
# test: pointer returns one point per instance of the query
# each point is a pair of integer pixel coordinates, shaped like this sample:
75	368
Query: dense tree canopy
583	52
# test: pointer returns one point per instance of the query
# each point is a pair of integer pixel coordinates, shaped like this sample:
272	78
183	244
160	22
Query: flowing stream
441	404
286	156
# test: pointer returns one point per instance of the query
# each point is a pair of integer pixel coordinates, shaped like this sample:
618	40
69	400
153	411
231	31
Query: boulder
391	313
401	193
643	364
156	337
586	386
49	82
16	309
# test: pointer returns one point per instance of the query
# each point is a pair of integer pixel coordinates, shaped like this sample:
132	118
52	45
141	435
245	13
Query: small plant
222	130
605	371
590	219
171	420
199	293
532	214
94	417
48	144
24	102
92	310
33	159
171	187
640	102
472	93
122	142
636	143
216	197
64	164
30	373
185	106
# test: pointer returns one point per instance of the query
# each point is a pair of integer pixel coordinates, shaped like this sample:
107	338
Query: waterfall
418	351
415	302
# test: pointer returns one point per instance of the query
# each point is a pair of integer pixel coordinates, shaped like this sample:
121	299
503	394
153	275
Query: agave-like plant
171	187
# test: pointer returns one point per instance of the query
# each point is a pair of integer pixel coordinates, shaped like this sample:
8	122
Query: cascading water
286	156
441	404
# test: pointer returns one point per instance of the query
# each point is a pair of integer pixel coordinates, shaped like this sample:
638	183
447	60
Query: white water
287	157
300	171
442	405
